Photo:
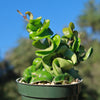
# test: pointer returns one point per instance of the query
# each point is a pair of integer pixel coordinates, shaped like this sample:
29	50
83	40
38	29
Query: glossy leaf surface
70	55
63	63
27	74
56	67
76	44
88	53
37	63
55	43
41	76
68	32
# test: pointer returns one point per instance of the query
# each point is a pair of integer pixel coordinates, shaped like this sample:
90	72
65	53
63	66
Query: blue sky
60	13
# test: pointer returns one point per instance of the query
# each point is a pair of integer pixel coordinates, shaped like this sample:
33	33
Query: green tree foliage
90	72
22	55
8	88
90	18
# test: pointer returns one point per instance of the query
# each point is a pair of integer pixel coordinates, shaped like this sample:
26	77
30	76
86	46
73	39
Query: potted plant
53	74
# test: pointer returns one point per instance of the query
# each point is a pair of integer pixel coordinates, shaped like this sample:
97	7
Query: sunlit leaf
71	25
41	76
68	32
52	48
56	67
37	63
64	40
76	44
27	74
63	63
70	55
47	67
36	21
88	53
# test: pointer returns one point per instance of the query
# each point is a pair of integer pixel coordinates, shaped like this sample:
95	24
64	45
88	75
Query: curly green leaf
38	44
27	74
71	25
76	44
70	55
52	48
68	32
63	63
47	67
36	21
64	40
41	76
88	53
56	67
37	63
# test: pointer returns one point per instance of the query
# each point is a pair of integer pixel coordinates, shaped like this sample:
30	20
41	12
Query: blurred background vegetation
20	57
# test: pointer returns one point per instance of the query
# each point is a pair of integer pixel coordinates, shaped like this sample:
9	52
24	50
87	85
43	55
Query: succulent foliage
57	56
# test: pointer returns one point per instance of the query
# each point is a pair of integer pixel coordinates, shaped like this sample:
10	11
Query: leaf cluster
57	56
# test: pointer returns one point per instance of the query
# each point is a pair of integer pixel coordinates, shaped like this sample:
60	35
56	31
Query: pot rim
57	85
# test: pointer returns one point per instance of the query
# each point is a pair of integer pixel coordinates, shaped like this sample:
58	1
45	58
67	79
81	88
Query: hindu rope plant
57	56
